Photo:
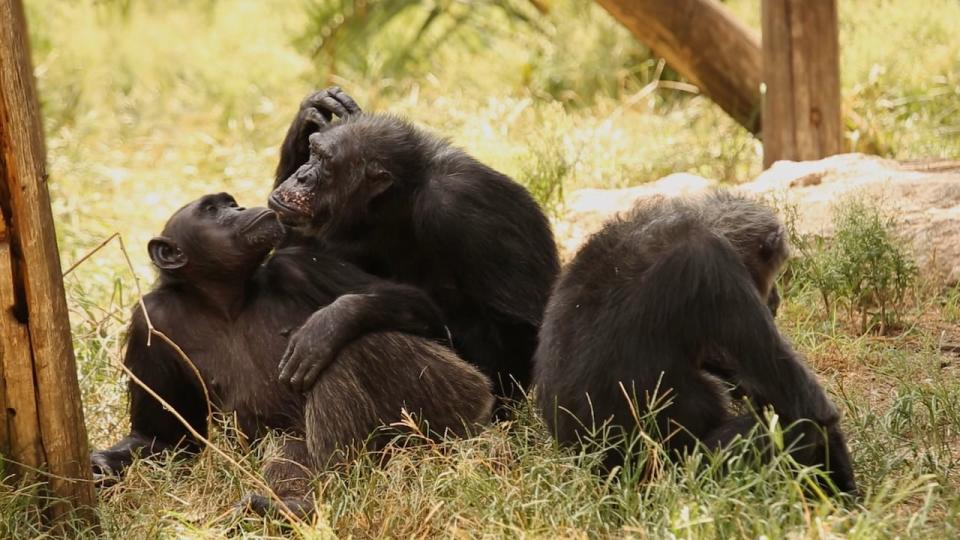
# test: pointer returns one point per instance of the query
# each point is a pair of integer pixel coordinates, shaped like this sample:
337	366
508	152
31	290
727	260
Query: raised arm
316	111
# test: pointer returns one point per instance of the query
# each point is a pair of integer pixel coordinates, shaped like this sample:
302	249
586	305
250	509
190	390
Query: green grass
150	104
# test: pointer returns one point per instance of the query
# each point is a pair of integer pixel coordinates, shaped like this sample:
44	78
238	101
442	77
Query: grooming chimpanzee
229	308
667	301
409	207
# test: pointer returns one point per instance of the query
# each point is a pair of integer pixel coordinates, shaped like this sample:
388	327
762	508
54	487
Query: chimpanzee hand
105	471
313	346
840	463
319	107
384	307
316	111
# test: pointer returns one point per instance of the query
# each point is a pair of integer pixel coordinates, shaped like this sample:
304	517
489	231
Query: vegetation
150	104
861	266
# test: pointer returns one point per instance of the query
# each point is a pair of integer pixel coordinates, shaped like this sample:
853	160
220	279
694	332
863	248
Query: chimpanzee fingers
329	104
315	101
348	103
283	359
295	370
289	364
314	117
311	377
104	474
308	367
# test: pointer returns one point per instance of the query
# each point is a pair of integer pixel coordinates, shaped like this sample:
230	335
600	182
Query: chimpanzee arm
380	307
316	111
153	429
705	297
705	273
771	373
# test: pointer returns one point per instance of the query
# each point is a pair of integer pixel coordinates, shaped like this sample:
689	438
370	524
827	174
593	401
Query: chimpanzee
407	206
230	309
676	300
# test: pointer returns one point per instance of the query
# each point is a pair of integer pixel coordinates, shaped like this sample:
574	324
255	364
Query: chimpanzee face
214	236
336	184
767	265
773	300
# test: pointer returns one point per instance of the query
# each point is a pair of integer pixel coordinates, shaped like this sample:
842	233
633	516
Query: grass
150	104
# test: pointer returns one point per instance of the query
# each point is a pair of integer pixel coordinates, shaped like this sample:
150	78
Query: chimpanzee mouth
259	220
288	214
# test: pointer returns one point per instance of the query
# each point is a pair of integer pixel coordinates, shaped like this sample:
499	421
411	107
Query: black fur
232	313
667	300
408	206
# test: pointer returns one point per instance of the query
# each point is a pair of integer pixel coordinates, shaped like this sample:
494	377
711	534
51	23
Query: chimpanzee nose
300	175
304	176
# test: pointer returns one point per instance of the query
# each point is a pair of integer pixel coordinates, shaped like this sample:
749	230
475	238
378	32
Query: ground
149	105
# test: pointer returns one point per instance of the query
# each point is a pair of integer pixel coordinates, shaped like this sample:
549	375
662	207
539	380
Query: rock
923	196
587	209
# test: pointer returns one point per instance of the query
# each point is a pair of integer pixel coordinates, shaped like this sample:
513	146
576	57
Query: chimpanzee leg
289	477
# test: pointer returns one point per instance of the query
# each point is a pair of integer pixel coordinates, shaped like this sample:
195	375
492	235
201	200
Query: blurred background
148	104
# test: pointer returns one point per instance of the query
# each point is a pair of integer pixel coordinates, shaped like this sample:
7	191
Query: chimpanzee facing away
676	300
409	207
230	312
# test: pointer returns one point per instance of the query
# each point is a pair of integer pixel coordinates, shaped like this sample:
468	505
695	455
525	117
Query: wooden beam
20	428
801	71
38	364
706	44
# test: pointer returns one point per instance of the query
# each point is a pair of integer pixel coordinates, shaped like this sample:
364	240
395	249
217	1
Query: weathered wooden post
706	44
42	425
801	71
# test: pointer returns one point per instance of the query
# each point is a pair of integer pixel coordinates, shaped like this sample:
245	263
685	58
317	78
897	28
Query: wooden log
706	44
36	340
21	429
801	72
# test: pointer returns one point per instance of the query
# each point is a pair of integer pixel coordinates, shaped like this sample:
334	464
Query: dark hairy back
672	301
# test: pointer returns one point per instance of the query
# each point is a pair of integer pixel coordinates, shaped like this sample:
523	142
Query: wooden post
42	416
706	44
801	71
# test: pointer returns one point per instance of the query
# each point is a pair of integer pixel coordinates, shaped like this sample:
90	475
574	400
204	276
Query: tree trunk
43	419
801	69
703	41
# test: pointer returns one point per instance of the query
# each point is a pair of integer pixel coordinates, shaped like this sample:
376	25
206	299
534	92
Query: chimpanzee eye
209	209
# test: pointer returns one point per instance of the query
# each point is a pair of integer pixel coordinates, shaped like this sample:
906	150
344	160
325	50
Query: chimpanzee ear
772	244
379	179
165	254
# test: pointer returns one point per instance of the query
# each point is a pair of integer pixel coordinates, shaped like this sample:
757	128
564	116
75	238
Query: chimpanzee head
213	238
756	233
352	163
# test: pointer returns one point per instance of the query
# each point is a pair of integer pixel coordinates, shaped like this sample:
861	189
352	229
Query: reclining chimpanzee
230	306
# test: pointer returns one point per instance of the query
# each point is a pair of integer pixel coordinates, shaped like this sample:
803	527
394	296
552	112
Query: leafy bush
862	268
388	41
568	50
